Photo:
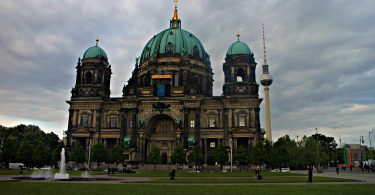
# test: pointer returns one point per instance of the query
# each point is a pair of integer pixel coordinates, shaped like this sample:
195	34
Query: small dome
239	47
95	52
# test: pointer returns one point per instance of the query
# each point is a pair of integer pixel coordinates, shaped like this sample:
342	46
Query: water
85	175
62	173
46	174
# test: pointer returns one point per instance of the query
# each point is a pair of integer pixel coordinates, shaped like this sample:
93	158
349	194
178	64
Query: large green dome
95	52
175	42
239	47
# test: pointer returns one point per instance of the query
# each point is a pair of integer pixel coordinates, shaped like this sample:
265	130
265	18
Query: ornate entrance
161	133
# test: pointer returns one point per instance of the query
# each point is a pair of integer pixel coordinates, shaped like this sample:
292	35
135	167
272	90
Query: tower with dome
168	101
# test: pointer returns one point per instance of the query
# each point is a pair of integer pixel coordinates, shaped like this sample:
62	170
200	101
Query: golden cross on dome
175	14
97	40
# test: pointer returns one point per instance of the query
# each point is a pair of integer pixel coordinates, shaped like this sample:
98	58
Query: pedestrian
310	175
172	174
337	170
21	169
351	168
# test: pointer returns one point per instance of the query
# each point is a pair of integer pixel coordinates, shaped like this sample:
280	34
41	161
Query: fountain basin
61	176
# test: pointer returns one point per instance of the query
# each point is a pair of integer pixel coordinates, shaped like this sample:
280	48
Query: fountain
62	173
85	175
42	174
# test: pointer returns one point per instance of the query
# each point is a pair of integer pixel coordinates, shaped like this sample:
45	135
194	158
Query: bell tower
239	71
93	74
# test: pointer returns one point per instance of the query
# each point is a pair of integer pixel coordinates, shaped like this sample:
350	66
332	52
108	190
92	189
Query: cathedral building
168	101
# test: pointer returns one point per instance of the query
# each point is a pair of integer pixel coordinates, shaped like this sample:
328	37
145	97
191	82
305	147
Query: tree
241	156
78	154
25	153
117	154
154	157
178	156
259	153
8	153
100	153
41	155
221	156
196	157
282	151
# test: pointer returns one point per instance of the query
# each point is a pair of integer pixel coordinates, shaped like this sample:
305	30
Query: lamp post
231	154
360	146
317	149
369	137
89	161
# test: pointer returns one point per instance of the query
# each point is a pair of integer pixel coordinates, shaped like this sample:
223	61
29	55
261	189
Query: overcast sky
321	55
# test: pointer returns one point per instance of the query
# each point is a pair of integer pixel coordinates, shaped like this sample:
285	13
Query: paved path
356	175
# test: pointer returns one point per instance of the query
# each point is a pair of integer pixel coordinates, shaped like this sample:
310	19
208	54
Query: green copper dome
95	52
175	42
239	47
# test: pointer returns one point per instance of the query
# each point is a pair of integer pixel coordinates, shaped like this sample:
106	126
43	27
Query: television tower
266	81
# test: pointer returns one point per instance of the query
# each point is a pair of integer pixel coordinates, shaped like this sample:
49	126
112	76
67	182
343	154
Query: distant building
168	100
358	152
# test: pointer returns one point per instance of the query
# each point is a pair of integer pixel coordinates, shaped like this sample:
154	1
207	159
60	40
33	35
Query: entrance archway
161	133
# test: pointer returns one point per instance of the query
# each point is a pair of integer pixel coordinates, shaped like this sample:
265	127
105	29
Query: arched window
240	75
112	121
211	121
88	78
242	120
84	118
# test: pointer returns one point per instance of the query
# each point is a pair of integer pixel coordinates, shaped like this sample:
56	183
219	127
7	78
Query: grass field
207	174
77	188
220	180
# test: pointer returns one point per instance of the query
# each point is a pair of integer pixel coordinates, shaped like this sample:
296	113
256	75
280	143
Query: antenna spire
264	47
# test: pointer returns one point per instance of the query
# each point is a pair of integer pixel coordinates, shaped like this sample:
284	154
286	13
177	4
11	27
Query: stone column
68	136
225	119
205	151
186	126
134	127
123	125
197	127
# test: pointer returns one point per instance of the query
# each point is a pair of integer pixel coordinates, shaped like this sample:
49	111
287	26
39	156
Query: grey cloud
320	53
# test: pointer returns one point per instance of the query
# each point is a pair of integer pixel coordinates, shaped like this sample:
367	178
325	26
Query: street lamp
369	137
89	161
361	141
231	154
317	149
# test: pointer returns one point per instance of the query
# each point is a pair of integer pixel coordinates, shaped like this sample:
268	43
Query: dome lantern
175	20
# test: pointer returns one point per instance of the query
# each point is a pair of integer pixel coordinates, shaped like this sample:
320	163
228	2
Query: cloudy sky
321	55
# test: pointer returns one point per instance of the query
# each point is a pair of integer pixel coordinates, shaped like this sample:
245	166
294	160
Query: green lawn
85	188
206	174
217	180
